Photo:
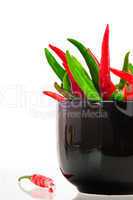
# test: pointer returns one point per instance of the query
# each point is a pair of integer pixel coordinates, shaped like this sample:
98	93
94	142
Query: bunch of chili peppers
96	85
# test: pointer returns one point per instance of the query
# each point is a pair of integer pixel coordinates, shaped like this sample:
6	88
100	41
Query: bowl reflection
81	196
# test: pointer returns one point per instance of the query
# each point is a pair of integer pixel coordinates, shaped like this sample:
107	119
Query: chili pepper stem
24	177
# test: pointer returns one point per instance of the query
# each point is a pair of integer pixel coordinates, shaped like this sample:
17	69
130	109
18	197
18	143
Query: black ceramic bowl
95	145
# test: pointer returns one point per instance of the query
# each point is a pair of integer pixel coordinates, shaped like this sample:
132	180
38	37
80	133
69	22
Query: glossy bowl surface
95	145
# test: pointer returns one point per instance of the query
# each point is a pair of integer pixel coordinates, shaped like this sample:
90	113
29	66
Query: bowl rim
92	101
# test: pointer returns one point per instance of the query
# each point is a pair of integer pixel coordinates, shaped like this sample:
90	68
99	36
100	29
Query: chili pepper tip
51	46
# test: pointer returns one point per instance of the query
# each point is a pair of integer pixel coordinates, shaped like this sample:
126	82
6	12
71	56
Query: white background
27	118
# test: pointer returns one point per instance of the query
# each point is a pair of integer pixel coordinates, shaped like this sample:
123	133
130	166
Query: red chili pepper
59	52
54	96
128	89
41	181
62	56
130	97
106	86
124	75
128	92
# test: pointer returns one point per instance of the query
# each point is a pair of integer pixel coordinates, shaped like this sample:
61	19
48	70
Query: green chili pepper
130	68
125	69
82	78
66	83
60	72
66	94
117	95
92	64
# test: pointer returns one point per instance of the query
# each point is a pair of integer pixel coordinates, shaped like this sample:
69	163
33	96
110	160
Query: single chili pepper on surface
125	69
62	56
106	86
90	61
54	96
41	181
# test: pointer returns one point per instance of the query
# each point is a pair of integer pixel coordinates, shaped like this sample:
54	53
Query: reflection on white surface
81	196
27	191
38	193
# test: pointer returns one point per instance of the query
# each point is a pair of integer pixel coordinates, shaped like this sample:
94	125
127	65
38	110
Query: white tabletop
10	189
